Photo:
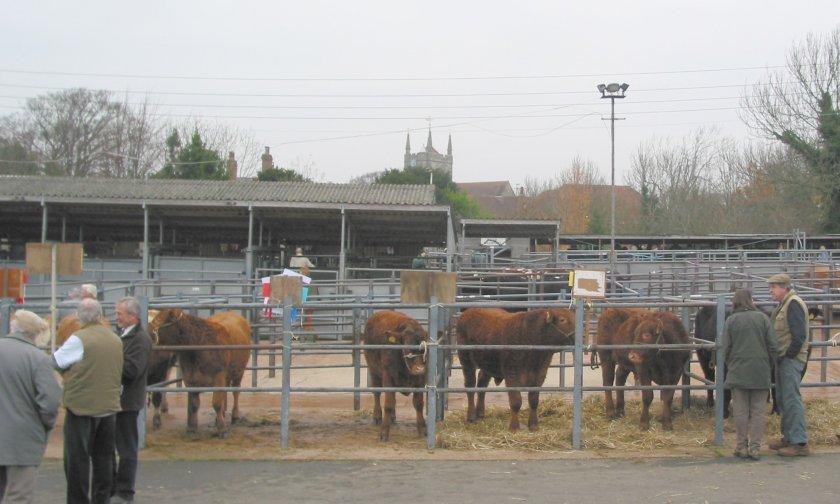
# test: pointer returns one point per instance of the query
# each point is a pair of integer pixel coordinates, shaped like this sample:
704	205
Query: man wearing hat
790	320
28	407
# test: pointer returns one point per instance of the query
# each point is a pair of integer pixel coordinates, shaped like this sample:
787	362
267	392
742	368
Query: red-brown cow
402	367
621	326
518	368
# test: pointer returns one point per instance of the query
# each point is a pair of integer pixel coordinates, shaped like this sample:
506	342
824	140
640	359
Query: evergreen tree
193	161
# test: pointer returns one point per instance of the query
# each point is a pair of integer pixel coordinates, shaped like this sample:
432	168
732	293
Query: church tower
428	158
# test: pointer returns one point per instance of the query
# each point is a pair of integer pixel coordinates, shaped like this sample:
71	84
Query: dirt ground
324	426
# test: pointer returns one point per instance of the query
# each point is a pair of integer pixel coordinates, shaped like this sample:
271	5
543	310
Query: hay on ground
695	427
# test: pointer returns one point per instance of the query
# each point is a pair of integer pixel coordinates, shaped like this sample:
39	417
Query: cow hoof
383	437
533	428
377	421
222	435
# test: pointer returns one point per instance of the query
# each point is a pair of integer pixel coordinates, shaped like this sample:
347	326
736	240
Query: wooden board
419	286
68	258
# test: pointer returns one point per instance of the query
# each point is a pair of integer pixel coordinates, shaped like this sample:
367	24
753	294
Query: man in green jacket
750	347
790	320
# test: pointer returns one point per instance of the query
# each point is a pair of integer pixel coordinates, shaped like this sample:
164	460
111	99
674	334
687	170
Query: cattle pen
331	324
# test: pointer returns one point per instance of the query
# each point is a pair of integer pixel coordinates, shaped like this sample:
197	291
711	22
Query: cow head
162	327
649	331
561	320
414	335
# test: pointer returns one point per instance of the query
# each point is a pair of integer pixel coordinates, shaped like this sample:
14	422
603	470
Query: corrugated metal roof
13	187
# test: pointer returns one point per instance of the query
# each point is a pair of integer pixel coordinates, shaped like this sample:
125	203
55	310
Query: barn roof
252	191
103	210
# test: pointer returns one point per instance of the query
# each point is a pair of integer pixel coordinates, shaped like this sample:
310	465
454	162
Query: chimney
267	160
231	166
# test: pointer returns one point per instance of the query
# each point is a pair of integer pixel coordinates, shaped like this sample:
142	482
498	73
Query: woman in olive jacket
749	343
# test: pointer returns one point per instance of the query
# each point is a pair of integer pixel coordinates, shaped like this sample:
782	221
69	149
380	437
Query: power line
379	79
377	95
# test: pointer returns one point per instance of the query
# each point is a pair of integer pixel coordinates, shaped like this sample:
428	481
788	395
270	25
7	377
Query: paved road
811	480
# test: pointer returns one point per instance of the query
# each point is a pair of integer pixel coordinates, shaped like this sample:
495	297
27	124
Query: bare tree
581	172
136	147
798	107
71	130
676	183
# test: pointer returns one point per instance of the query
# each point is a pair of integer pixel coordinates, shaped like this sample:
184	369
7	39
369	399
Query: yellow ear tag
392	339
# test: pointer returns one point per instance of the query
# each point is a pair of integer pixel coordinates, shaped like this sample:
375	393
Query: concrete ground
670	480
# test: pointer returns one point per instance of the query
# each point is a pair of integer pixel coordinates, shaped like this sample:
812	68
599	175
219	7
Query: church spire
429	141
407	143
449	147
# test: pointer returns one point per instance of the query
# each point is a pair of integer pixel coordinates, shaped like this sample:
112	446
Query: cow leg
607	378
667	399
417	399
219	401
193	402
164	403
376	381
390	410
515	400
483	382
533	402
157	401
709	373
469	382
534	397
647	398
620	380
234	413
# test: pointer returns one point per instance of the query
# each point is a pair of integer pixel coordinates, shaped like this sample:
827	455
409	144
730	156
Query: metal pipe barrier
437	388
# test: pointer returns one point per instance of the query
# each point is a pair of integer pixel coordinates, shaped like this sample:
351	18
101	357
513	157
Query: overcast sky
337	85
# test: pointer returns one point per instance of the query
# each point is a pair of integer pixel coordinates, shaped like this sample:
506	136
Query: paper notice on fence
590	283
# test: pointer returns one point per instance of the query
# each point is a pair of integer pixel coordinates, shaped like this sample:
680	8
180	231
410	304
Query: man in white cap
28	407
790	320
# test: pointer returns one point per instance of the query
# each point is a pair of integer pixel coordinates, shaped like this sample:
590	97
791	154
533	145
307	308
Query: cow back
233	329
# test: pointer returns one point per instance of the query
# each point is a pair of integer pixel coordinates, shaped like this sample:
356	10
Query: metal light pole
611	91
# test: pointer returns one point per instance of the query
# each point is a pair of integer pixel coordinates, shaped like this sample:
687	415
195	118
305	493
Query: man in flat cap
790	320
28	407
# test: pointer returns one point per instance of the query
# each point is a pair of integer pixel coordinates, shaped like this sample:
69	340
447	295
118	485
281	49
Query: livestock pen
337	315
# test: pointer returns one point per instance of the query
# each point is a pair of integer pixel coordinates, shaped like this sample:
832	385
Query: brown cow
206	368
403	367
518	368
621	326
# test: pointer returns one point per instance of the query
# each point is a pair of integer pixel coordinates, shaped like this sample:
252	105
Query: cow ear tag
392	339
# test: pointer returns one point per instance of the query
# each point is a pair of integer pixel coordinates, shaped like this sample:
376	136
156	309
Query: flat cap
29	322
781	279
